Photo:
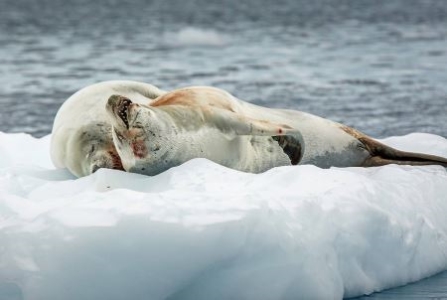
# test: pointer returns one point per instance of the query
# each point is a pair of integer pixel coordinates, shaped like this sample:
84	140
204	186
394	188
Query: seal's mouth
123	110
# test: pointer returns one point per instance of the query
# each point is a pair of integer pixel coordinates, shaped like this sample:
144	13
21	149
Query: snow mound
202	231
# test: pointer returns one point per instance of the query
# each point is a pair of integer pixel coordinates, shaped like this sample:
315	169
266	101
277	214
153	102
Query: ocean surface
379	66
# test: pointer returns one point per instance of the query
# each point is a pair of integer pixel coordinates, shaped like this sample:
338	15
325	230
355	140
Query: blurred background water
379	66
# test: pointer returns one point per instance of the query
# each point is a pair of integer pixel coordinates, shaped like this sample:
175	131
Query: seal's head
93	149
141	135
86	149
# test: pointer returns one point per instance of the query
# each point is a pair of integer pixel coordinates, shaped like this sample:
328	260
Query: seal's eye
138	125
120	137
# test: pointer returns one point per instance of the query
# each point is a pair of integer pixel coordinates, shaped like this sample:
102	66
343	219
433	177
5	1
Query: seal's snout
119	105
106	160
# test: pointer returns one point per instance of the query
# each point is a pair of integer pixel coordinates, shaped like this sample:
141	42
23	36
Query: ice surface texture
201	231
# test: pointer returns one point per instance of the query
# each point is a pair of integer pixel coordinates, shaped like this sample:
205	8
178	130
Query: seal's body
81	137
210	123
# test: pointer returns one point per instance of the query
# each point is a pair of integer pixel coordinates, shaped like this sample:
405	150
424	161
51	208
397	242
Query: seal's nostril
113	99
95	168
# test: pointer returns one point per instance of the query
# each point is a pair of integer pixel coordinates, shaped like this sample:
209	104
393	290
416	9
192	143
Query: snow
202	231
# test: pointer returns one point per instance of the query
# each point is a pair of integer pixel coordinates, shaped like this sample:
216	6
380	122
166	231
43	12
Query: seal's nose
95	168
118	106
114	101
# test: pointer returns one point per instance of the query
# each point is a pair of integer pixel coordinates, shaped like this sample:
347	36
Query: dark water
380	66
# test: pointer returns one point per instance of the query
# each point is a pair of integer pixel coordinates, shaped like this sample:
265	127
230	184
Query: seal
206	122
82	135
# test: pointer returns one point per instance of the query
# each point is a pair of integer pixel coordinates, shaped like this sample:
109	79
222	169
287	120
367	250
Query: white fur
210	123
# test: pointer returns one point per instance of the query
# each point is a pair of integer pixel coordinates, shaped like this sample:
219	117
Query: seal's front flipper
292	145
288	138
234	123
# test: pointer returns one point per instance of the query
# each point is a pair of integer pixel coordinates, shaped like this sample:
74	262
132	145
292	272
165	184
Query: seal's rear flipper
382	154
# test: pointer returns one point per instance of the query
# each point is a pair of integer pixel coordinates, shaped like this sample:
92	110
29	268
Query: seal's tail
382	154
